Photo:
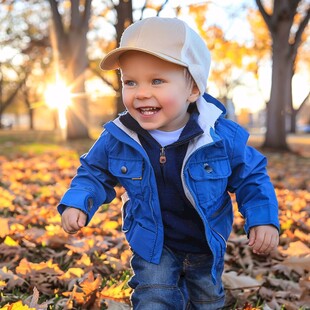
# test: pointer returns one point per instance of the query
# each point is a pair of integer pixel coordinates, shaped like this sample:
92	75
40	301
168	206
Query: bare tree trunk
55	120
293	121
77	114
4	104
124	19
280	96
285	44
28	105
31	118
71	48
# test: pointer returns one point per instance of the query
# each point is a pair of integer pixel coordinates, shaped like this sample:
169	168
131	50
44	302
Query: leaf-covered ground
41	267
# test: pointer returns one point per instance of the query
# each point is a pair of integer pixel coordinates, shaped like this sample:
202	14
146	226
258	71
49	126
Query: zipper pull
162	156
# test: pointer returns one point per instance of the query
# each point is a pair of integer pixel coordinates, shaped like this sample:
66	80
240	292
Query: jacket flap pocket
126	168
211	169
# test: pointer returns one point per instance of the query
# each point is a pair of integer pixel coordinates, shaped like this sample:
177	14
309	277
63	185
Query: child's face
155	92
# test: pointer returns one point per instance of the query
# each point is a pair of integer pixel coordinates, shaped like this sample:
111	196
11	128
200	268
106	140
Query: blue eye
157	81
129	83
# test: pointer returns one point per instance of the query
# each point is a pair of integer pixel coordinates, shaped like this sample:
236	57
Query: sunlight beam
58	97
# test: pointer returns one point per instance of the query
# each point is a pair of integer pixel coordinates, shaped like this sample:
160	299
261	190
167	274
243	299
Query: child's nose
143	92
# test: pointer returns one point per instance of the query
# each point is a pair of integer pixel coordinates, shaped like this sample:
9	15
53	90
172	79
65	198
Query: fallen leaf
296	248
233	280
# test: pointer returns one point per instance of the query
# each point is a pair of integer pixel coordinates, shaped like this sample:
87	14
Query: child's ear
194	95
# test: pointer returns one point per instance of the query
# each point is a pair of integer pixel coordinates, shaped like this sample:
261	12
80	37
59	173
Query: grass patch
18	142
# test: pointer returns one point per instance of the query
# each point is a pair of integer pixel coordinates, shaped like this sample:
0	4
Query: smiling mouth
148	111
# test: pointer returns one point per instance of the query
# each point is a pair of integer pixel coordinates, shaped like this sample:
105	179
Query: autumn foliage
42	267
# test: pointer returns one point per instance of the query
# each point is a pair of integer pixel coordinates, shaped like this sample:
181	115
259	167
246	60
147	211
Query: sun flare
58	97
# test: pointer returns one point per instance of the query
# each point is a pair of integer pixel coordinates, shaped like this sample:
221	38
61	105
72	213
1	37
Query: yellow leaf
6	199
16	227
110	225
63	163
16	306
72	272
287	224
116	291
84	260
10	242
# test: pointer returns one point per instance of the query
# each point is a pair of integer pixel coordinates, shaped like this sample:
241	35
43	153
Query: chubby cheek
174	104
127	100
178	93
169	101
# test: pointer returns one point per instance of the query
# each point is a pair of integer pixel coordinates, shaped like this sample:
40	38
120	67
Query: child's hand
72	220
263	239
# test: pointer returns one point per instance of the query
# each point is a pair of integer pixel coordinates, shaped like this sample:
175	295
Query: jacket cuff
261	215
82	200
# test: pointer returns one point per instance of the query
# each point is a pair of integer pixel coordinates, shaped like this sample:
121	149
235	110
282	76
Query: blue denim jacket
216	163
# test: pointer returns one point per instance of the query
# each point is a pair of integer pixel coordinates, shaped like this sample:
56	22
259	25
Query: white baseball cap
169	39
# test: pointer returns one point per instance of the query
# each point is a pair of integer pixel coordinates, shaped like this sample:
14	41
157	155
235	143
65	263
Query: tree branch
95	72
57	22
10	99
300	31
143	9
265	15
75	14
161	7
294	4
87	13
304	102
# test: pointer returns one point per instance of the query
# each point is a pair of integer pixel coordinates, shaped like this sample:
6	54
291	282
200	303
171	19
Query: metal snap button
124	169
208	168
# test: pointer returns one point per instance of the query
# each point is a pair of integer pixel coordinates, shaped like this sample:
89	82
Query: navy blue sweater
183	227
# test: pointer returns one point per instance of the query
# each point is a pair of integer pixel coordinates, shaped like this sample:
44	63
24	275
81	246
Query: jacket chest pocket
209	178
129	173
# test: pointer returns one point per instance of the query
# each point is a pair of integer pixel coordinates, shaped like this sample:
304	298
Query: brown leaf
233	280
14	280
298	264
296	248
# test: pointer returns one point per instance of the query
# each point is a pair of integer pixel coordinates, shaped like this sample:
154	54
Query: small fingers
69	229
72	220
256	239
263	239
69	225
266	244
257	246
81	220
72	232
274	241
252	237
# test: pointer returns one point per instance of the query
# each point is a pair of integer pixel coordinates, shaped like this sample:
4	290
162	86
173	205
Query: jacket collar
210	110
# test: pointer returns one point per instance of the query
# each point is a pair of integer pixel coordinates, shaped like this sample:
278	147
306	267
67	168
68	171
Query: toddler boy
178	158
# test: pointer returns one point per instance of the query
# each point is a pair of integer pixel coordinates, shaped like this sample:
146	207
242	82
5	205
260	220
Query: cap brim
111	60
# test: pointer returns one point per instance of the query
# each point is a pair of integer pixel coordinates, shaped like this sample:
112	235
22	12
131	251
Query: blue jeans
181	281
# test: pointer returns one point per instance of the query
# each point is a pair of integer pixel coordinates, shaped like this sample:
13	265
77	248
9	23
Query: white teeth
148	111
